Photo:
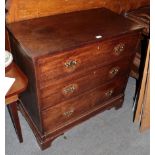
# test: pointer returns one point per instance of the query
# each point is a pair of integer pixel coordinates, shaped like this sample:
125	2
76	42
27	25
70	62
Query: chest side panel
29	98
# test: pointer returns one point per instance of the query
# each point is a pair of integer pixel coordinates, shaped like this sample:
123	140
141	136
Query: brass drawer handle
118	49
114	71
69	89
68	113
109	93
71	64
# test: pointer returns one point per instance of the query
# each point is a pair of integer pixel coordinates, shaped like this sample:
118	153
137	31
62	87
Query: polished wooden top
63	32
20	83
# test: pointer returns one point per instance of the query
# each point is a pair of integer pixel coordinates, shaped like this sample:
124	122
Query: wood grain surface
21	10
66	32
68	67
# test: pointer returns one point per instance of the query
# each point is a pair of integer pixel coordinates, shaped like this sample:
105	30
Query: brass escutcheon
118	49
68	113
109	93
69	89
71	64
114	71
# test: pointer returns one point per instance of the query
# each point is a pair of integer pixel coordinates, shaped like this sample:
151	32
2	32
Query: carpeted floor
109	133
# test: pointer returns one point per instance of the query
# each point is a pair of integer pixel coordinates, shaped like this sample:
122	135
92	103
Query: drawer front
57	91
82	59
67	111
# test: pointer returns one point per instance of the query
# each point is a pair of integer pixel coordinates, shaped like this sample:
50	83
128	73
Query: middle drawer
56	91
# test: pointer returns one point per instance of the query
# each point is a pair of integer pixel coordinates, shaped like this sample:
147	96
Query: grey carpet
109	133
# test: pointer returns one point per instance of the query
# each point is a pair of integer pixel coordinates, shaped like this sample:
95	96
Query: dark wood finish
140	16
45	140
68	67
12	108
87	57
68	31
53	92
68	111
30	95
11	97
7	43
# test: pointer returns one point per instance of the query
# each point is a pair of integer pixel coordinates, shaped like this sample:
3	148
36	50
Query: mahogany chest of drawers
77	64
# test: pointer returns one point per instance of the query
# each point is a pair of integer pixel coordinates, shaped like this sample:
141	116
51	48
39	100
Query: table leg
15	120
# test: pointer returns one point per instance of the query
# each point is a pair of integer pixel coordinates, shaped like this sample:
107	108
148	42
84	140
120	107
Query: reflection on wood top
20	83
63	32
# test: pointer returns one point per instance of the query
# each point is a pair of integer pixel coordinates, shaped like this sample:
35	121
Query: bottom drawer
61	114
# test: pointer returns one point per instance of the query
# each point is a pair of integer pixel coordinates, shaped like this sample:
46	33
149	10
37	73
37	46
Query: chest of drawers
77	64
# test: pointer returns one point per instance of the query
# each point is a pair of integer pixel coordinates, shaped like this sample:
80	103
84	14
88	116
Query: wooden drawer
82	59
55	91
67	111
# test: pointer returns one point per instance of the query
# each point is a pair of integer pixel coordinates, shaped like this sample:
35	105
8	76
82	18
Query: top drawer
102	53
